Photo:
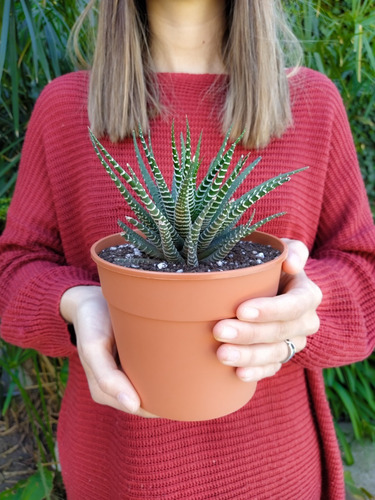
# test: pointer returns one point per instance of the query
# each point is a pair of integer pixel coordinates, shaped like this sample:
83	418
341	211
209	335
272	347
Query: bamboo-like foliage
33	41
189	223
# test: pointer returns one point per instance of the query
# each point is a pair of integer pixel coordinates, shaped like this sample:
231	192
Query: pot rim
119	239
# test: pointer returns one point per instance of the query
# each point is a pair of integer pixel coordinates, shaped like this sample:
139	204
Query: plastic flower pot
163	324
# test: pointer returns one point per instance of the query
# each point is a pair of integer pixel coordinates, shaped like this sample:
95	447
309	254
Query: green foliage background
338	39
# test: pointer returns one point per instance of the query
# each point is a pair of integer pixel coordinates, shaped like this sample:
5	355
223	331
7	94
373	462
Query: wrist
73	298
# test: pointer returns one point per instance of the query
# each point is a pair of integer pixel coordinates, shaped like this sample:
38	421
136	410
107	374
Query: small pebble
260	255
162	265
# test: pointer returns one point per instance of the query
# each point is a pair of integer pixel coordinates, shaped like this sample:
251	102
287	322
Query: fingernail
295	261
227	333
231	355
128	402
248	375
249	314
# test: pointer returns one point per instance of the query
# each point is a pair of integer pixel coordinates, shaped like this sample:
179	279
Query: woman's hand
86	308
255	341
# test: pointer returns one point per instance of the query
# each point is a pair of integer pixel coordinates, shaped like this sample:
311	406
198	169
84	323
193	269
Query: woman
219	63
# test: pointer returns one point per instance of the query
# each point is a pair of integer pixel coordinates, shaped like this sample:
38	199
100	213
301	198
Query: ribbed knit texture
282	444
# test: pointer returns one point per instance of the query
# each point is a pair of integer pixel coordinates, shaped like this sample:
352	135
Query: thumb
298	254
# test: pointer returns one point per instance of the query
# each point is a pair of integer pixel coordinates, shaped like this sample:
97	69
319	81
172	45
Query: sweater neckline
163	76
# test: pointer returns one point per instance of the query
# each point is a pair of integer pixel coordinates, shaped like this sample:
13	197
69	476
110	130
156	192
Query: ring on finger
291	350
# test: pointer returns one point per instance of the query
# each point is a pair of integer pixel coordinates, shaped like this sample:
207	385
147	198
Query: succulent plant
189	223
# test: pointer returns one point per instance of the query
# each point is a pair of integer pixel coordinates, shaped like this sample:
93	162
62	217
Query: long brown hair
123	91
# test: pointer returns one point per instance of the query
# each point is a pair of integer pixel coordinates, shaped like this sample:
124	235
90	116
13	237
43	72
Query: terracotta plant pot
163	324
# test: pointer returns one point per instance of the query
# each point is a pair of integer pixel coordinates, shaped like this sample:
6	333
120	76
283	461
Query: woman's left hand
255	341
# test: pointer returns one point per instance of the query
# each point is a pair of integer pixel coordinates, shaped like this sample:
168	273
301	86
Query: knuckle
315	323
282	332
248	335
303	344
95	397
318	294
274	369
96	394
82	351
85	352
296	310
105	384
278	367
250	357
301	249
312	324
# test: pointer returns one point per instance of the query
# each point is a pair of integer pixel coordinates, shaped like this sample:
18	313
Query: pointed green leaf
135	184
212	231
191	243
165	194
223	246
187	157
137	208
139	242
151	236
208	178
217	182
177	174
4	34
14	73
149	182
232	184
182	218
191	254
170	252
255	194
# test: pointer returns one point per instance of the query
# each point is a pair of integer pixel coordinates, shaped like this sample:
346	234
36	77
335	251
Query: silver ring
291	349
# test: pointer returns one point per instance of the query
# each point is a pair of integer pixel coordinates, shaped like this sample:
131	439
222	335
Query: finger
246	333
302	295
108	384
114	389
257	373
258	355
298	254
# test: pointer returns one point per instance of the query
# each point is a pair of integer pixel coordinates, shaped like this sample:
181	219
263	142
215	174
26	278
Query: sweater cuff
32	318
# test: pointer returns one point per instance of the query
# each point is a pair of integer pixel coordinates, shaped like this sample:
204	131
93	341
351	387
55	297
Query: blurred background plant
338	39
33	50
31	389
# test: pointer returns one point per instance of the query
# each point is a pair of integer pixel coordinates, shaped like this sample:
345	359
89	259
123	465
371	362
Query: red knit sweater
280	445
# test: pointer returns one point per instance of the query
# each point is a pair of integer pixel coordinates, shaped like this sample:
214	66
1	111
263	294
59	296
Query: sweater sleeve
342	261
33	269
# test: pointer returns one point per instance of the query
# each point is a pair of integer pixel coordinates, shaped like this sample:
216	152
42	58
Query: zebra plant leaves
188	223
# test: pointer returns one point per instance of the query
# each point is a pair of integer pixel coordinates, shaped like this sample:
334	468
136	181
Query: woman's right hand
86	308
